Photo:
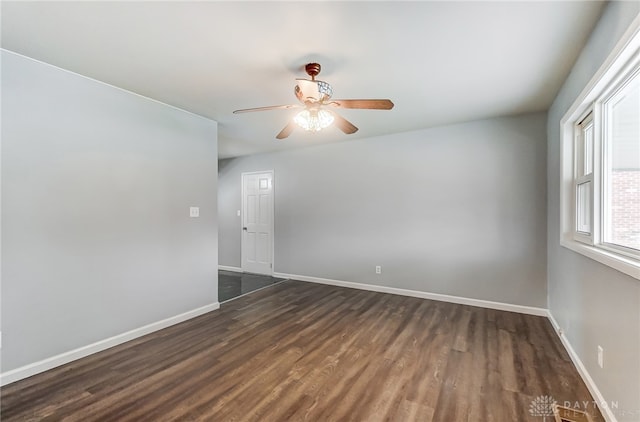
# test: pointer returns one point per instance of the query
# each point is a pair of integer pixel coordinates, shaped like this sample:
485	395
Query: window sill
628	266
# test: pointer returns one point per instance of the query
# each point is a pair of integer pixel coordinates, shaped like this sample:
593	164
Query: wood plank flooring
232	284
303	351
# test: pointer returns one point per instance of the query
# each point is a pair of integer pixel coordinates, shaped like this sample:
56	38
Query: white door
257	222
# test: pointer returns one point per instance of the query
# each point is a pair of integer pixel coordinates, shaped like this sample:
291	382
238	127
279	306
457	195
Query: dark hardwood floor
232	284
302	351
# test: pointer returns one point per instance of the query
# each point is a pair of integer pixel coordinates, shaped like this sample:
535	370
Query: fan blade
279	107
343	124
286	131
364	104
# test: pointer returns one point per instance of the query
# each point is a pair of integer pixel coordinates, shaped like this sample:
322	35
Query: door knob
244	228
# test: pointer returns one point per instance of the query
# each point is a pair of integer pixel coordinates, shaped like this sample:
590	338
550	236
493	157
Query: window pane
588	149
584	208
584	147
622	167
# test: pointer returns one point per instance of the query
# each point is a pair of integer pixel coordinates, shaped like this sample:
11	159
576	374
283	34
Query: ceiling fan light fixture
314	96
313	120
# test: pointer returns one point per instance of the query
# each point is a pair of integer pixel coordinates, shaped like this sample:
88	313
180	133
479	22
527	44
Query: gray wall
96	188
456	210
594	304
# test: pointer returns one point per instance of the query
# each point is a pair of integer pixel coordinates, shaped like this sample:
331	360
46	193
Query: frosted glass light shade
313	120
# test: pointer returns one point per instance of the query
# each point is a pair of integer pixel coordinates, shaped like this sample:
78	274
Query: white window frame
590	105
580	177
627	73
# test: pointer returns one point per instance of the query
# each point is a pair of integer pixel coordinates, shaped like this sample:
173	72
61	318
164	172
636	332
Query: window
618	202
584	178
621	166
600	186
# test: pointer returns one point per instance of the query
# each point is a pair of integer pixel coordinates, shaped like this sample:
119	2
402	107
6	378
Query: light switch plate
600	356
194	212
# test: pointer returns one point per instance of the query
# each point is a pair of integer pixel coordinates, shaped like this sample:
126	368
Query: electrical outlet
600	356
378	269
194	212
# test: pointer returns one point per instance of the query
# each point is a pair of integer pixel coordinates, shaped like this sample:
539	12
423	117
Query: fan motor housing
312	69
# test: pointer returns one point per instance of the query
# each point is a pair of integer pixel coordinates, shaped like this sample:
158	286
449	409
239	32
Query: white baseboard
606	411
530	310
63	358
226	268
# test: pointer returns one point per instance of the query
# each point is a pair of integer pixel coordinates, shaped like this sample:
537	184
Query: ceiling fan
315	98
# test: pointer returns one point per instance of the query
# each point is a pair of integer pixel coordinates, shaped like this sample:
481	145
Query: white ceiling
440	62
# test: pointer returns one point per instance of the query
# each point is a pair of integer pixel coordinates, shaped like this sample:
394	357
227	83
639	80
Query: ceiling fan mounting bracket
312	70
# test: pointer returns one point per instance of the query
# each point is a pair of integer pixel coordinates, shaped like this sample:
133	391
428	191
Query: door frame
272	222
